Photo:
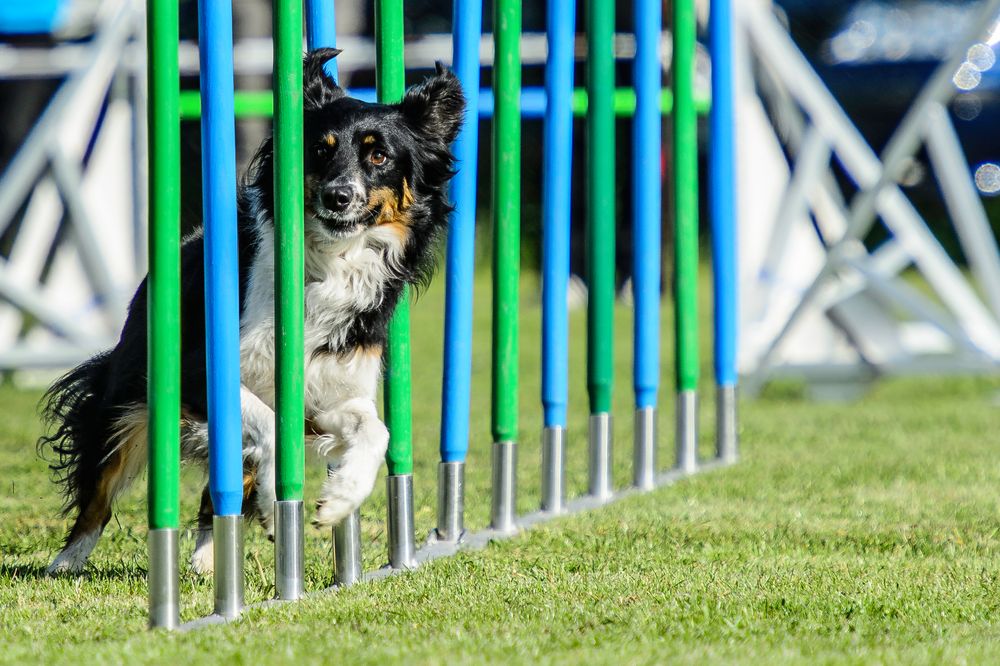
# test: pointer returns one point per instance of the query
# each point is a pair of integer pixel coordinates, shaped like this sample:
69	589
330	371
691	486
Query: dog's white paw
203	557
64	565
330	511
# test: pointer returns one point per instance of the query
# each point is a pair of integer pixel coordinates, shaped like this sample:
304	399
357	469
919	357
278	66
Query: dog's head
374	173
371	165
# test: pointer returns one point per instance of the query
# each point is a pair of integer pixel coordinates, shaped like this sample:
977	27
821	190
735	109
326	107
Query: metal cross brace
832	133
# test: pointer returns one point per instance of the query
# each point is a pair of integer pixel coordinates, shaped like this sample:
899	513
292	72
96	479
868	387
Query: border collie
375	202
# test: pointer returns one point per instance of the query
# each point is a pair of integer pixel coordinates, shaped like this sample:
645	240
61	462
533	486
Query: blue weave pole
222	317
557	159
557	170
646	218
321	31
722	206
466	32
646	221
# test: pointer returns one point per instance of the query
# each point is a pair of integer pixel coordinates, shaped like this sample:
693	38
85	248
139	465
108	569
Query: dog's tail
73	406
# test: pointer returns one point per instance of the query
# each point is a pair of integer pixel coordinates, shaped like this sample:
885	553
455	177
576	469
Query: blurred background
72	172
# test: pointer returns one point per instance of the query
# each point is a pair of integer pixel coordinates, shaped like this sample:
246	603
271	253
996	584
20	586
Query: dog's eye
378	158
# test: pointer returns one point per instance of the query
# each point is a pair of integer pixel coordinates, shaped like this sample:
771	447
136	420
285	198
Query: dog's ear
318	89
436	107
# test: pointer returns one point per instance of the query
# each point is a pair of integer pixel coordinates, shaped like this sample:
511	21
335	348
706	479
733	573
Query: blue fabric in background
31	17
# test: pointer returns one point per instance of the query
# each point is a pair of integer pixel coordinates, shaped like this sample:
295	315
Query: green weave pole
390	83
685	197
164	340
601	202
289	275
506	216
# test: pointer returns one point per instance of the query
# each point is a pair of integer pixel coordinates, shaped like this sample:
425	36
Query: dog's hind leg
203	557
363	439
112	477
258	447
258	461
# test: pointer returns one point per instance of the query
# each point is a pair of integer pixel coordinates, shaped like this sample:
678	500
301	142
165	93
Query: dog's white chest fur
341	279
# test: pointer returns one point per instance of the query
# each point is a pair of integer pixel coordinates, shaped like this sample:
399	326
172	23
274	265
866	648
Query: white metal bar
963	202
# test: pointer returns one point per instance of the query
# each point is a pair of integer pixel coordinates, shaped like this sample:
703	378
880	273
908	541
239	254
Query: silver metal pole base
600	455
289	547
164	597
727	442
227	535
553	469
402	548
503	512
347	551
644	451
451	502
687	431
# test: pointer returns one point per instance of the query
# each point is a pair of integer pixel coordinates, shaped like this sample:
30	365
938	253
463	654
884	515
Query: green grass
857	533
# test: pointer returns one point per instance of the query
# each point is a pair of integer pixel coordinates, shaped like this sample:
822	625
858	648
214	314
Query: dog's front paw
328	446
330	511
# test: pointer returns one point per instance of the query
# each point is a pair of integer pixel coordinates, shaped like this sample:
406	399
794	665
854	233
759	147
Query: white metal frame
822	131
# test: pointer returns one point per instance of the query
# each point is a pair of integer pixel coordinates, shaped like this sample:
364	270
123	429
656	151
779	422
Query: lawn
849	533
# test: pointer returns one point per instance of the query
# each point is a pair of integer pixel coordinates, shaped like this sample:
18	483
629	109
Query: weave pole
222	332
685	158
600	238
557	161
646	184
506	259
390	82
321	32
164	312
722	202
289	309
467	26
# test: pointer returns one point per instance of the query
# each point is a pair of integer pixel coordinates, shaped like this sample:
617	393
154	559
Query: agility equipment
507	104
289	308
557	160
820	305
722	204
164	340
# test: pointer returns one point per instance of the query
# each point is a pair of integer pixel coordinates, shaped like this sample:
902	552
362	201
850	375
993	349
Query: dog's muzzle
339	199
340	207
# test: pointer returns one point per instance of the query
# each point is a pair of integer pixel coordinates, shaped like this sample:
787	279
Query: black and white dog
376	200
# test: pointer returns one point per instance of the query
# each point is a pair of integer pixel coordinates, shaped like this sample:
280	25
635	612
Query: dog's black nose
337	198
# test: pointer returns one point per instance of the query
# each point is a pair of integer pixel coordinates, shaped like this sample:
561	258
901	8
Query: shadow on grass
15	572
123	572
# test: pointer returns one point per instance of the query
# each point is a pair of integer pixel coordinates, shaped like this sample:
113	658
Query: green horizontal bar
260	103
624	102
249	104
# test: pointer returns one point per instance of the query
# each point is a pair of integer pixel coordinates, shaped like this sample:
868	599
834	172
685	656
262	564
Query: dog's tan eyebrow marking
330	139
368	140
